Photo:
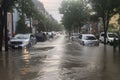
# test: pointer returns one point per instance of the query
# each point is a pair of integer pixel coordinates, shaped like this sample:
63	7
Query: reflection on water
16	65
99	63
50	69
26	56
63	62
6	68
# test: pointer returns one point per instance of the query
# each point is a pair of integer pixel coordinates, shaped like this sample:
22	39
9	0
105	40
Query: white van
109	37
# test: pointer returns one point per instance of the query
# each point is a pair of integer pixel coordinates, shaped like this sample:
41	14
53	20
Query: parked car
22	41
74	36
41	37
88	39
109	37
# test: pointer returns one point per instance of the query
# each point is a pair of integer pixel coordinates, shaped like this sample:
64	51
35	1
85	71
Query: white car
109	37
22	41
88	39
74	36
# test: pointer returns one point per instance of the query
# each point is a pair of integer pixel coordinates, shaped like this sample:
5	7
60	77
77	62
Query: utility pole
1	25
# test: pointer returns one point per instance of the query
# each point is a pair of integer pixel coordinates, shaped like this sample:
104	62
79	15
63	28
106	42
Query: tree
24	7
94	18
51	24
40	18
5	6
27	10
105	9
21	26
75	14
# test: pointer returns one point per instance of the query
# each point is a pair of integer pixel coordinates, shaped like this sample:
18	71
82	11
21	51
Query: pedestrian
47	36
8	35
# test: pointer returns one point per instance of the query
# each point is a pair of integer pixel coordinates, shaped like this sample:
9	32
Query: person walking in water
8	35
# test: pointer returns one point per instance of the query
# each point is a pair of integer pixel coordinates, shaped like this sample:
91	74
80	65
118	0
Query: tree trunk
1	29
1	23
6	31
12	27
104	25
5	4
6	7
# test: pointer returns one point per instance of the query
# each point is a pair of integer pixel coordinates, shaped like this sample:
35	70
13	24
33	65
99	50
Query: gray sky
52	7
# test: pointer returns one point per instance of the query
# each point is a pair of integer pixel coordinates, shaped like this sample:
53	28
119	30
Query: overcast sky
52	7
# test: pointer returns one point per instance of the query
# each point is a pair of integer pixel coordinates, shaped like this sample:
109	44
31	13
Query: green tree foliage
51	24
105	9
25	7
94	18
75	14
22	27
112	28
40	18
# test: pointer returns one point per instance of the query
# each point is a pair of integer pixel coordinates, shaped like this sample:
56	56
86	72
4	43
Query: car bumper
18	46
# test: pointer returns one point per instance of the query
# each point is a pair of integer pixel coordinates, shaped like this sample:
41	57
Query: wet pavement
61	59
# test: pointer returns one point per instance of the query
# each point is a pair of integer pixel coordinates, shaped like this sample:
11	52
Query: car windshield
112	35
21	36
89	38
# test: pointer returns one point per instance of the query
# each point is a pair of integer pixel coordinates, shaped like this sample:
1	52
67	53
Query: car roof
87	35
19	34
25	34
107	33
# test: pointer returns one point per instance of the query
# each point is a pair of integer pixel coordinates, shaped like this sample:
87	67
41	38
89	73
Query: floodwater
61	59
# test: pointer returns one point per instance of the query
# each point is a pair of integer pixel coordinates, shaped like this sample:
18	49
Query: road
61	59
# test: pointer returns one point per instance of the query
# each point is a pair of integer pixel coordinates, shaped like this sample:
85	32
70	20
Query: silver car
88	39
22	41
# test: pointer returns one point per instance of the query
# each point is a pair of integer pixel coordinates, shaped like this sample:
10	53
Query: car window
89	38
112	35
21	37
102	34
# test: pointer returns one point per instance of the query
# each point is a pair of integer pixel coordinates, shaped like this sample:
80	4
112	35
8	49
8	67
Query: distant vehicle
88	39
22	41
109	37
41	36
51	35
74	36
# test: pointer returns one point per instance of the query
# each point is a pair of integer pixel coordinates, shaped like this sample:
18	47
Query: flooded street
61	59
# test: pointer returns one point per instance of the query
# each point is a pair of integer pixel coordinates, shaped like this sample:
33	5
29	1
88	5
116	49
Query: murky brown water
61	60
